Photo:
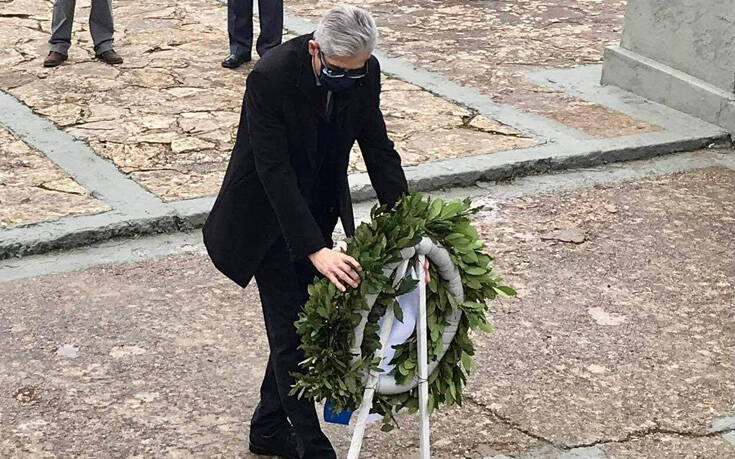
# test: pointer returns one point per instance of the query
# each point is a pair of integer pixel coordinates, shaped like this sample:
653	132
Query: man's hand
337	267
427	275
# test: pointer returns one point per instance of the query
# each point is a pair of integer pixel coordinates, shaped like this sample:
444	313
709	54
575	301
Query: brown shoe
54	59
110	57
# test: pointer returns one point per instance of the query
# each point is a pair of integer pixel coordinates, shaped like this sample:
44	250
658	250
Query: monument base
669	86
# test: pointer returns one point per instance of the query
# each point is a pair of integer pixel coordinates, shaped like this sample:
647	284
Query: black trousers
240	26
283	291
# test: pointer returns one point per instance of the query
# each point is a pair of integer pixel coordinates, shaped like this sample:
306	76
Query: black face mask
337	80
335	84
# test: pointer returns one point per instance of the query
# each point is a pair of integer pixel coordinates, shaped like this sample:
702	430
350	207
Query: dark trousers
283	291
240	25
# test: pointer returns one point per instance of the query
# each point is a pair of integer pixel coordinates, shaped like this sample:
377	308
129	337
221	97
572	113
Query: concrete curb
72	232
538	160
152	246
190	214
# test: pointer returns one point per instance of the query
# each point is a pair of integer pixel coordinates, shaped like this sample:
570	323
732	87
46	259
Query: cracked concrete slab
426	128
667	446
584	82
166	352
658	257
33	189
167	359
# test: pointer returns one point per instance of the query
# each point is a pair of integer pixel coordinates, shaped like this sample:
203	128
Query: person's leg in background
61	26
270	13
283	291
240	32
102	28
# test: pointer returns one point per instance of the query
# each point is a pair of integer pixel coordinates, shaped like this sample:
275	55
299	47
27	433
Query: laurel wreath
330	371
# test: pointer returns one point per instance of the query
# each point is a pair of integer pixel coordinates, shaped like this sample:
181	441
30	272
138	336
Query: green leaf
486	326
397	311
467	362
435	209
475	270
467	229
408	284
451	209
470	257
507	291
454	237
501	292
473	306
472	283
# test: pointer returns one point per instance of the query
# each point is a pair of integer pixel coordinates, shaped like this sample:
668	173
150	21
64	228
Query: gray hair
346	31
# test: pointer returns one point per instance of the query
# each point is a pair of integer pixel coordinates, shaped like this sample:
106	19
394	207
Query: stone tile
33	189
426	128
142	114
491	45
168	115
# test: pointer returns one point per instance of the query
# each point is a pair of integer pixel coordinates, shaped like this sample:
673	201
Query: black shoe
233	62
282	443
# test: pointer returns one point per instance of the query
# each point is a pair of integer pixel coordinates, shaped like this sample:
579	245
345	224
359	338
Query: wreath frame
332	371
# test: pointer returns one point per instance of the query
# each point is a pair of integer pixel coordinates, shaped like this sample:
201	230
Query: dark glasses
336	72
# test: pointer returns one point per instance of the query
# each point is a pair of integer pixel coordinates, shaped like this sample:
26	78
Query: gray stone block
666	85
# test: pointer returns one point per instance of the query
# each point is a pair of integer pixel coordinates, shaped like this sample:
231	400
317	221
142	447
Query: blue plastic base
343	417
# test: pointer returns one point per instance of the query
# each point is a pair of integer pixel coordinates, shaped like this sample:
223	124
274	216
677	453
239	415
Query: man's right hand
337	267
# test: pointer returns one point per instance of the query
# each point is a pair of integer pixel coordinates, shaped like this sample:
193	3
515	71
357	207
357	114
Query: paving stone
491	45
168	115
33	189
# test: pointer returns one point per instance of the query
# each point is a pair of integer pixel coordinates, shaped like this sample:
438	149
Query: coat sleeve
268	138
382	160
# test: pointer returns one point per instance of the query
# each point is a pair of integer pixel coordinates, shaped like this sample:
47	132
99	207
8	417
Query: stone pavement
33	189
471	103
167	117
621	342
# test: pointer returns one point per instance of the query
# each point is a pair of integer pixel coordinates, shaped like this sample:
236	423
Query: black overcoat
267	189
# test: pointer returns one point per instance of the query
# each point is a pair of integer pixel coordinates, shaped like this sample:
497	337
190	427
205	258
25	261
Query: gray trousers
100	25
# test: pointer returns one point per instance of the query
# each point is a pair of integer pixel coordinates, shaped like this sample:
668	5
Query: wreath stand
440	258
